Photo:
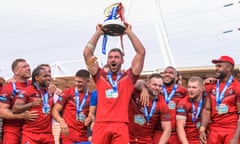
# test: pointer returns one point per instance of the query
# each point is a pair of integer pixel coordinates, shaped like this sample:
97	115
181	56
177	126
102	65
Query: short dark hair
173	68
15	63
154	75
36	72
116	50
44	65
83	73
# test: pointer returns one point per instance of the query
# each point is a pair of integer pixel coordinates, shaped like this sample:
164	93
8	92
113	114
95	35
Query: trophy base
113	29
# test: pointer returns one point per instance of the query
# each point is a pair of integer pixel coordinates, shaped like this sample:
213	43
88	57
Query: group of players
123	109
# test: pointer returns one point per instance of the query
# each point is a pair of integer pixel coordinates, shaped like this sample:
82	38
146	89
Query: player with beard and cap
222	107
114	88
188	112
172	93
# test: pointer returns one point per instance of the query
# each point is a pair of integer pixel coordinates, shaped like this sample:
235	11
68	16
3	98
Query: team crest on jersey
168	116
230	92
74	98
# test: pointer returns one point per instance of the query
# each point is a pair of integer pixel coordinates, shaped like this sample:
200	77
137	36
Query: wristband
90	46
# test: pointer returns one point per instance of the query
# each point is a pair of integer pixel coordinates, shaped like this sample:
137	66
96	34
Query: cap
224	59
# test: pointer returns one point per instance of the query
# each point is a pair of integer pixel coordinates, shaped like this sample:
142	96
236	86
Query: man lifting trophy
113	24
114	86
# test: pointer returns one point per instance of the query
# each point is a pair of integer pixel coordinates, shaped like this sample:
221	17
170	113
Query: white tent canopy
186	33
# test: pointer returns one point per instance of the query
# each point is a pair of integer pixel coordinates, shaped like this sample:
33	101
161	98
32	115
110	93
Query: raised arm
88	52
138	60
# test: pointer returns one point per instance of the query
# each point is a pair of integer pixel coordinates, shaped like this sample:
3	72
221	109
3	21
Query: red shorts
110	133
12	135
193	141
173	139
222	136
67	140
36	138
141	140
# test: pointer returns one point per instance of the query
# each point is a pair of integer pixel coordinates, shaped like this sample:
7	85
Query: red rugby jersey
77	129
138	126
114	109
180	93
230	99
43	123
7	97
184	108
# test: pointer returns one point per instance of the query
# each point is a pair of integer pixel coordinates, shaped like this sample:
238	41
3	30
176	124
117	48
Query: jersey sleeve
237	91
164	111
5	95
63	98
181	109
93	99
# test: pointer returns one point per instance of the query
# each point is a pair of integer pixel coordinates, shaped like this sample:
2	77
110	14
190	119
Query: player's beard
115	69
221	75
172	82
44	84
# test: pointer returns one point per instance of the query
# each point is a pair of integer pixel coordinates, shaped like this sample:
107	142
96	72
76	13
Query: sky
182	33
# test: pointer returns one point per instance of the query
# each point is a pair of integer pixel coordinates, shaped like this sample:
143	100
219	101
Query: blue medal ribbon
44	99
200	104
149	115
113	83
219	96
169	97
79	107
14	89
45	102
